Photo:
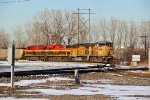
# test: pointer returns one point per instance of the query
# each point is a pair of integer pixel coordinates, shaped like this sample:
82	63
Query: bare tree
95	35
133	36
112	30
104	29
4	39
70	28
31	35
19	37
57	27
41	25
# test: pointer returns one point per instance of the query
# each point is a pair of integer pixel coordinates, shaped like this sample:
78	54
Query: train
86	52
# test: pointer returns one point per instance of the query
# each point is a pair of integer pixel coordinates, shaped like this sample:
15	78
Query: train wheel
72	59
59	59
42	59
27	58
50	59
84	59
65	59
99	59
55	59
93	59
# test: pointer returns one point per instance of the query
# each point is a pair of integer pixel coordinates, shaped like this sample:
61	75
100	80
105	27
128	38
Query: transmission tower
87	12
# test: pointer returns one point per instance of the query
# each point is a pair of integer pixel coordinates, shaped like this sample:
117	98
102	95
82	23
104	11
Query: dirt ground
118	78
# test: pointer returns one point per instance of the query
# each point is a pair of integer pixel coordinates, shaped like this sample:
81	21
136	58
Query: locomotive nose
111	52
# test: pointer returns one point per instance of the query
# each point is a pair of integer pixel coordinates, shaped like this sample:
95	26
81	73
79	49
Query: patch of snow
120	91
61	92
12	98
133	98
58	79
138	71
5	84
125	66
28	82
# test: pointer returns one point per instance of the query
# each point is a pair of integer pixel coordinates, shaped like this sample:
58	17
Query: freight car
4	54
93	52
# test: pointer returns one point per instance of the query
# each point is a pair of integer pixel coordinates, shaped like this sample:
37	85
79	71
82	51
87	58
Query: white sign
135	57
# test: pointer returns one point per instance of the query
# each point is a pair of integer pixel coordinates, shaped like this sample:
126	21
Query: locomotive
87	52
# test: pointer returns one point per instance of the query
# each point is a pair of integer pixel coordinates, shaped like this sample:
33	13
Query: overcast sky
17	12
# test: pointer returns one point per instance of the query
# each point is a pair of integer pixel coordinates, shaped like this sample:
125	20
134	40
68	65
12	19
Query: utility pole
81	23
89	24
145	43
78	26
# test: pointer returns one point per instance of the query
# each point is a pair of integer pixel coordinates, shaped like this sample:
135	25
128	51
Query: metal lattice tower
79	12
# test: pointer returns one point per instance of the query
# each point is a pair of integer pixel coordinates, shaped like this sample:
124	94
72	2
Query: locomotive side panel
94	50
46	55
81	51
18	54
73	52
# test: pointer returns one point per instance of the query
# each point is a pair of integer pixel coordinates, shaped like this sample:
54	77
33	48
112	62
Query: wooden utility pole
78	26
145	44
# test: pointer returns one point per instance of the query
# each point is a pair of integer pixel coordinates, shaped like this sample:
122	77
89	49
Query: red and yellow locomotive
46	53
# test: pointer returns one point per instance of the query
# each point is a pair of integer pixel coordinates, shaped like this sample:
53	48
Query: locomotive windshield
105	43
101	43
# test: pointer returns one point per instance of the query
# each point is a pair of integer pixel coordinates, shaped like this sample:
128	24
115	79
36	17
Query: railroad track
98	68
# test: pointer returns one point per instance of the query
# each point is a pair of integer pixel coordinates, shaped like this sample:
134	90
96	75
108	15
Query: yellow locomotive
93	52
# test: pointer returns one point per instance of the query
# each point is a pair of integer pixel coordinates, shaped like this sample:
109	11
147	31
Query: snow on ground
28	82
39	65
139	71
133	98
12	98
120	91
